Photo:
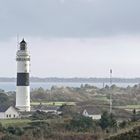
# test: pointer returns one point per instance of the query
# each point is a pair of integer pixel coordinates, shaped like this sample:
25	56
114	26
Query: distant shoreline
76	80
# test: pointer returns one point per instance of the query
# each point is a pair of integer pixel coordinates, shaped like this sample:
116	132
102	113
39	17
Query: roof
91	110
43	107
23	41
3	108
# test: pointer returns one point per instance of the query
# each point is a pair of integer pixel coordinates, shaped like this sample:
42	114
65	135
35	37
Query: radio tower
110	91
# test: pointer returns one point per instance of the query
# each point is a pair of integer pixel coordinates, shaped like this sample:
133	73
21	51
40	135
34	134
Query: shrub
15	130
107	120
123	124
40	115
10	137
1	127
80	124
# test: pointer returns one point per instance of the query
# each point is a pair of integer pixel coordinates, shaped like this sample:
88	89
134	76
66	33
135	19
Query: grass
130	107
133	106
15	122
52	103
102	98
19	122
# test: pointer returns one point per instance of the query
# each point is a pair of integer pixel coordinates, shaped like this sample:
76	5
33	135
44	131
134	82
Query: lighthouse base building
23	87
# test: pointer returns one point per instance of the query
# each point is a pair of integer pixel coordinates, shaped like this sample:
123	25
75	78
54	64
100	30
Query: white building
9	112
88	112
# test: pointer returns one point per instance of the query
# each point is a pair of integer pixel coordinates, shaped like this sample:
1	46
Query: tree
134	115
108	120
123	124
113	87
113	122
107	87
81	124
15	130
4	100
104	121
69	110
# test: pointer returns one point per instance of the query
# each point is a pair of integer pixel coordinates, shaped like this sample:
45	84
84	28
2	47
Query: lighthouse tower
23	87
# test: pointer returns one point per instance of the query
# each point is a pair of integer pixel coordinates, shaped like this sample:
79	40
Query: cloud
73	18
72	37
62	1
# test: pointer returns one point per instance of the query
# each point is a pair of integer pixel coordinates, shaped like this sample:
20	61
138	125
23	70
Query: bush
40	115
69	110
1	128
10	137
123	124
39	124
108	120
15	130
80	124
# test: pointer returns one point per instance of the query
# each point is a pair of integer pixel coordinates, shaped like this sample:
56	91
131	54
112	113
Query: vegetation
108	121
52	103
81	124
127	134
40	126
14	122
6	100
70	124
123	98
77	127
40	115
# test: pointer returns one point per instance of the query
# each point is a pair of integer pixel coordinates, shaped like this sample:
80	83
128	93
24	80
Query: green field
102	98
53	103
130	107
15	122
19	122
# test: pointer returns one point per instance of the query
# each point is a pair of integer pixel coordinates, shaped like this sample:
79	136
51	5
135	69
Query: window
10	116
7	116
14	115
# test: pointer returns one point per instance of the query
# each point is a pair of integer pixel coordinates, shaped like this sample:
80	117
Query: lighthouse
23	69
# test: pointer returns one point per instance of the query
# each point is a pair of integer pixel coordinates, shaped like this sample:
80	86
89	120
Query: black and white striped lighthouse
23	69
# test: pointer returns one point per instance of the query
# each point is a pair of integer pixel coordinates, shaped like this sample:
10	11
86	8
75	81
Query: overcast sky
72	38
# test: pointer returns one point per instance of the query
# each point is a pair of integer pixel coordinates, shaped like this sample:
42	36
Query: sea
11	86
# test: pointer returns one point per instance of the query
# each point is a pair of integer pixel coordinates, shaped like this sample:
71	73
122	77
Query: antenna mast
110	91
17	41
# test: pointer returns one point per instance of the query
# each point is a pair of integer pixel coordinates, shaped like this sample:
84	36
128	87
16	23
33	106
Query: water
11	86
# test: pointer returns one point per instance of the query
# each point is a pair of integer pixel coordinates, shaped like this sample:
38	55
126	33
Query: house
8	112
49	109
92	113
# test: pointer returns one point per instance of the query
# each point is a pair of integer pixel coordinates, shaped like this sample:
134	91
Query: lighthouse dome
23	45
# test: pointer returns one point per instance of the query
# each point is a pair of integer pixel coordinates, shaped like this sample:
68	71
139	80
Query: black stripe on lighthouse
22	79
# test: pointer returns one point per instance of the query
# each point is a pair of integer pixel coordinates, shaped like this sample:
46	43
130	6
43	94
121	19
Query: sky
72	38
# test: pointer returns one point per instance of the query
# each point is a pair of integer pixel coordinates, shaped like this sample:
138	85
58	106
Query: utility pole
110	91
